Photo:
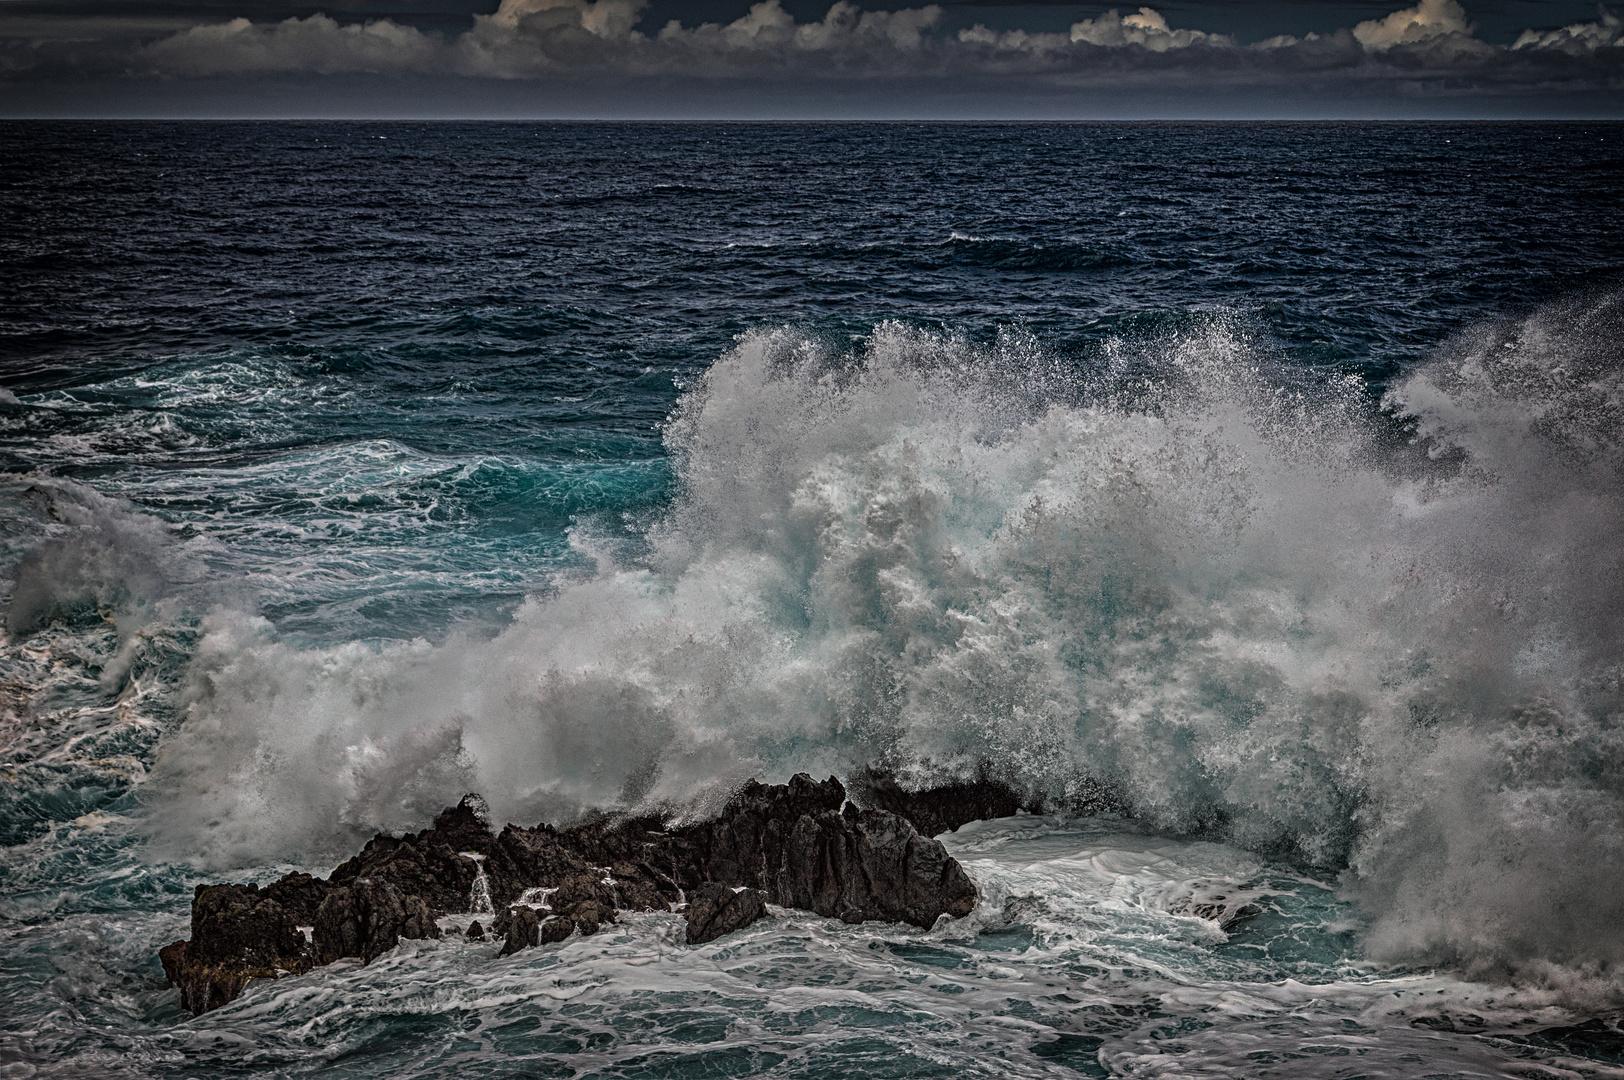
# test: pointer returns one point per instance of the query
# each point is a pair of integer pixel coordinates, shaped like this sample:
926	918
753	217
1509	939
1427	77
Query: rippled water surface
1271	476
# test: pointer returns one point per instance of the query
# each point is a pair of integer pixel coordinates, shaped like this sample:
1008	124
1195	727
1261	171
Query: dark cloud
1428	51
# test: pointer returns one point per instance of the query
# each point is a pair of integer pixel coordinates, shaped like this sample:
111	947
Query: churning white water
1380	640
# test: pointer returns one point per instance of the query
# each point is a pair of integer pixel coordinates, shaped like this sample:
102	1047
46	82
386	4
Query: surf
1371	636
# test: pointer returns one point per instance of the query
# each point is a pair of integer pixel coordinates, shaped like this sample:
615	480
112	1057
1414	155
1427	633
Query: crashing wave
1383	637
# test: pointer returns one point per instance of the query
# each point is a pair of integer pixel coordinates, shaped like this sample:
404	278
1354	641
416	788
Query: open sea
1269	477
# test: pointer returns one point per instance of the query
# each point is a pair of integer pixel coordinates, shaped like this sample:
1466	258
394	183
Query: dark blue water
1265	472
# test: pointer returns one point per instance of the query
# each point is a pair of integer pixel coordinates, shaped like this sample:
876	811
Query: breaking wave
1382	637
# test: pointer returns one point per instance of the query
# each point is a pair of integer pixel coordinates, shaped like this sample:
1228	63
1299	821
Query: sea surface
1269	477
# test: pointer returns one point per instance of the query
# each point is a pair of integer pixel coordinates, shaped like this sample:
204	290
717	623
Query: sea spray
386	389
1258	608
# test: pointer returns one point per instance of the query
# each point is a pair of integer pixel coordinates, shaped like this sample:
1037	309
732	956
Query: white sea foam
1256	609
101	560
1071	965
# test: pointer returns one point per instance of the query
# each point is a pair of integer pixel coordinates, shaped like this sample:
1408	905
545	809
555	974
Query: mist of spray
1379	638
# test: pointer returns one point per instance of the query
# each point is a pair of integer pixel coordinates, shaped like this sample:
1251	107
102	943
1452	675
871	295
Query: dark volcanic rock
242	923
300	895
579	900
715	909
800	844
523	930
937	810
796	844
587	900
239	933
476	932
367	919
638	860
173	958
878	868
431	864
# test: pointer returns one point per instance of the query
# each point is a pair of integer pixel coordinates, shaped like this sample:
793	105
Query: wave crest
1252	605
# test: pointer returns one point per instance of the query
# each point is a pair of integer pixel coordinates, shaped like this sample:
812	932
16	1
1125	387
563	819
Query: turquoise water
1268	475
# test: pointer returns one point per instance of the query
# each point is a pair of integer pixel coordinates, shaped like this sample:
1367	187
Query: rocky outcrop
716	910
366	919
939	809
392	890
239	933
805	846
799	845
439	864
580	901
523	930
944	808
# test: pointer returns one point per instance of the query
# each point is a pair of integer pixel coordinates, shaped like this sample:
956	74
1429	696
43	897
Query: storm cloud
1431	44
537	38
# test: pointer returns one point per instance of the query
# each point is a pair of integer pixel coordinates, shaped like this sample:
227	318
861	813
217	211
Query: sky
795	59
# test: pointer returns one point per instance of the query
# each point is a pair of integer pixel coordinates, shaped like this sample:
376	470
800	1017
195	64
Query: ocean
1268	478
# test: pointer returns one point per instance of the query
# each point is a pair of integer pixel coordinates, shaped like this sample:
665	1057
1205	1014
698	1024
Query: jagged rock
523	931
631	852
800	844
537	854
588	917
715	910
875	867
239	933
173	958
242	923
476	932
367	919
579	901
300	895
431	864
643	887
937	810
944	808
586	899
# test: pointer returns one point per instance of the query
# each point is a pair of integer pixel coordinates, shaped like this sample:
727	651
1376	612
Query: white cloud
846	28
1606	32
607	19
527	39
317	44
1146	28
1427	20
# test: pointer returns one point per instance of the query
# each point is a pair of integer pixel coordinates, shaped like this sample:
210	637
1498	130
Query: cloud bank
1430	48
527	39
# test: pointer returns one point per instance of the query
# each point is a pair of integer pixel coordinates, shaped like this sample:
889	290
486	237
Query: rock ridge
797	845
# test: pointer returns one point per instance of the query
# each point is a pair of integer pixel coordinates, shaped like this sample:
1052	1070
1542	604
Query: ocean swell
1377	637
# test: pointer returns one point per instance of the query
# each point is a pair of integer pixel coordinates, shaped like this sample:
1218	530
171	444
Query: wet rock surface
936	810
366	919
554	930
523	930
716	910
800	845
239	933
805	846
